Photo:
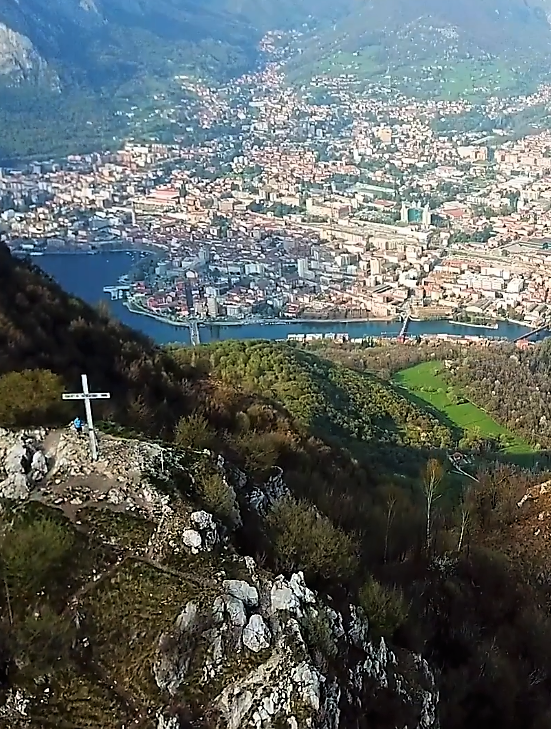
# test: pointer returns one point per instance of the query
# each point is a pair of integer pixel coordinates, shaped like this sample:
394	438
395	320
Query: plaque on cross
88	396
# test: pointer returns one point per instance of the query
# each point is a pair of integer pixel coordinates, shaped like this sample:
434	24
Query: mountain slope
325	398
396	37
145	589
100	42
43	327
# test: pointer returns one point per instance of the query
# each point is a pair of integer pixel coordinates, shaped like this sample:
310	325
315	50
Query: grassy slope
127	607
426	383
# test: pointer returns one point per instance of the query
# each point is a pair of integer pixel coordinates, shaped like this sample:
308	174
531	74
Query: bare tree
432	491
465	521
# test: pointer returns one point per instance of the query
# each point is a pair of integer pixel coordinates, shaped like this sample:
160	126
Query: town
319	202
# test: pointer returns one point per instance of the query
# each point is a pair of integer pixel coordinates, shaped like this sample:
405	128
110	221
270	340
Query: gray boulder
256	635
242	591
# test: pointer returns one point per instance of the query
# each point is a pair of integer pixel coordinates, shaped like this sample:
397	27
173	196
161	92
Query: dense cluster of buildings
363	206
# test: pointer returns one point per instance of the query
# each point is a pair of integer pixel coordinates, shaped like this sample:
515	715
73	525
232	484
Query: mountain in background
98	42
79	66
497	43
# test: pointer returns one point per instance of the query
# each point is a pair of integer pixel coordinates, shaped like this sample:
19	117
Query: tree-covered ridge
371	516
323	397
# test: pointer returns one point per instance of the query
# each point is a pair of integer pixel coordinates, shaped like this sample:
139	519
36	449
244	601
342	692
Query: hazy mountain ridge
97	41
402	35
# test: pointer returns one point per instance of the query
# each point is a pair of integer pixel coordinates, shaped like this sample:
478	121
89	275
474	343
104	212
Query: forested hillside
42	327
361	500
501	42
324	398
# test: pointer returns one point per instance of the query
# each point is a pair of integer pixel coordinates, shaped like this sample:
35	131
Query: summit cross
88	396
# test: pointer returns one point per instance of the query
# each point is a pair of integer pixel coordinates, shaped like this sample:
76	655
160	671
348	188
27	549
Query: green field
425	382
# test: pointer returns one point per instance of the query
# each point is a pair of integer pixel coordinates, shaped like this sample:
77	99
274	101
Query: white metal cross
88	396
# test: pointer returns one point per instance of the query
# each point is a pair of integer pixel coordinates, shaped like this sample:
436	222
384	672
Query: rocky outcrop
255	644
260	651
22	462
202	536
19	59
58	464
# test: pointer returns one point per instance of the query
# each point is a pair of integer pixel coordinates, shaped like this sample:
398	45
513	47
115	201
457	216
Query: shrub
32	397
259	451
194	432
34	556
219	497
305	540
41	639
319	634
384	606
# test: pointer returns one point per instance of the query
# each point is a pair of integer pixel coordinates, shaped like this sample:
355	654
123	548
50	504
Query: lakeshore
86	276
135	308
493	325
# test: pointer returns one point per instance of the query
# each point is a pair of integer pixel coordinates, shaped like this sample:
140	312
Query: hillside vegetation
428	382
324	398
513	386
476	45
42	327
370	516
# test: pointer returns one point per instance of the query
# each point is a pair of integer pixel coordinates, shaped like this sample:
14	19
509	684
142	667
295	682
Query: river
86	275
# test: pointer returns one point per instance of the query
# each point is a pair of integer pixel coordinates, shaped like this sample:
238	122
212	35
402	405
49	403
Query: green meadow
425	382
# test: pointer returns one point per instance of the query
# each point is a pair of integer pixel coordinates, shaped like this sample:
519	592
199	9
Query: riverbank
132	307
137	309
495	325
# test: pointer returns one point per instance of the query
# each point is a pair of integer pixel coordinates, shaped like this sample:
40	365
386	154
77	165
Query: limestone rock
176	649
15	487
204	523
256	635
17	464
242	591
308	681
359	627
287	677
232	608
283	597
15	708
298	586
164	722
19	58
192	539
39	466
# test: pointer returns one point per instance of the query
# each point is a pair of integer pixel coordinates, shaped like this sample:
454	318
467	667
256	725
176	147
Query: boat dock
117	292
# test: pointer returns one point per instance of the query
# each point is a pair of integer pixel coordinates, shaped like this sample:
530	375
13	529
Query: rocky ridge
261	651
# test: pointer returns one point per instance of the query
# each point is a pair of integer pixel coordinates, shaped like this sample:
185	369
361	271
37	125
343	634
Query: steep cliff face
173	625
19	60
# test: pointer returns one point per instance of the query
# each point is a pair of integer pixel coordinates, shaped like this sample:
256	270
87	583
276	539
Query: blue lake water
86	275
